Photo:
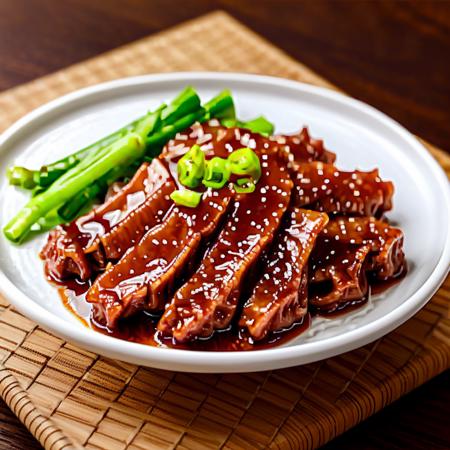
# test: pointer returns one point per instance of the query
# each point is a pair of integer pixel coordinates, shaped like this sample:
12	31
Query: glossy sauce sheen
106	216
323	187
142	328
86	244
280	296
201	278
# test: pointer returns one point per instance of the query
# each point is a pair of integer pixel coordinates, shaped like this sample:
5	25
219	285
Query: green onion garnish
186	197
191	167
245	162
244	186
217	173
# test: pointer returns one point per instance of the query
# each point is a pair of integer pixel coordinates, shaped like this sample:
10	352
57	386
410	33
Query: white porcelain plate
362	137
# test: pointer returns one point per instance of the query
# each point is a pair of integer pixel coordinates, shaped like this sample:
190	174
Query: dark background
394	55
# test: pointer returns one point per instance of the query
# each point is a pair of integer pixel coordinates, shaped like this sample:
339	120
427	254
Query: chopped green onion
217	173
245	162
244	186
191	167
186	197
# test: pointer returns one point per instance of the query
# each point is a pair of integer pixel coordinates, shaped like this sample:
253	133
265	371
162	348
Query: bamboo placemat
69	397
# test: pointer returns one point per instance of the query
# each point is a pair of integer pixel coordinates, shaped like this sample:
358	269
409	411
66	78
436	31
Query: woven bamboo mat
69	397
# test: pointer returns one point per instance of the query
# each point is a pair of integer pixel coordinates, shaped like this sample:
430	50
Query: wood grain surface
394	55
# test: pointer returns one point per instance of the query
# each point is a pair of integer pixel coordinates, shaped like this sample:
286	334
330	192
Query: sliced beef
386	242
64	256
214	140
129	231
66	251
323	187
338	275
151	183
348	250
148	273
280	297
301	148
197	266
208	300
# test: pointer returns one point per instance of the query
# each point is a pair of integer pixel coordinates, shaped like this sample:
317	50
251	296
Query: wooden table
391	54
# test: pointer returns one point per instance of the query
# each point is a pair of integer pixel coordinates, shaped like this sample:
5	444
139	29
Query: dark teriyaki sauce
379	286
142	327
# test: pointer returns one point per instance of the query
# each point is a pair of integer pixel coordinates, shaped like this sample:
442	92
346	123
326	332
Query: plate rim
208	361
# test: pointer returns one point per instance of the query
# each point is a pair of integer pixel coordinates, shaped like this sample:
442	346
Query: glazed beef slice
66	250
280	297
324	188
148	273
208	300
300	148
349	250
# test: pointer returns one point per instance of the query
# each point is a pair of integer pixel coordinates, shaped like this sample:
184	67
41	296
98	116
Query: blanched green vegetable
220	107
186	102
258	125
22	177
121	152
64	189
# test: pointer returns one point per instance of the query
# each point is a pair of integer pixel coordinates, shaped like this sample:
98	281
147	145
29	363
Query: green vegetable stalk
187	101
77	204
258	125
120	153
220	107
49	173
22	177
74	206
85	175
157	140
